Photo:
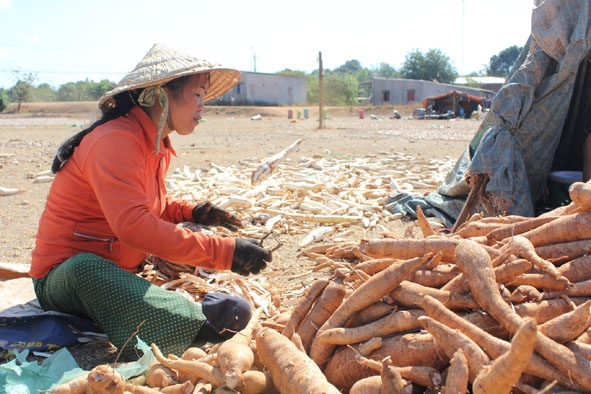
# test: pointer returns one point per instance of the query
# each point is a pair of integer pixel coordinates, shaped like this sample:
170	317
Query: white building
267	89
399	91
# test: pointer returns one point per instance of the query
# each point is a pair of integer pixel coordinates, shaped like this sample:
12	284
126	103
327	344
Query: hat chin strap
147	99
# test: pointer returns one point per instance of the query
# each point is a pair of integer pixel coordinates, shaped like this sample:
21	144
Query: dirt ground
28	142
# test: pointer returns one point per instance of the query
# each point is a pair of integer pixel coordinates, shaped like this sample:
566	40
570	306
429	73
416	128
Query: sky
62	41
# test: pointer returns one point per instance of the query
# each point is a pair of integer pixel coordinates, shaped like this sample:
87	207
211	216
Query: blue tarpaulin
20	376
42	331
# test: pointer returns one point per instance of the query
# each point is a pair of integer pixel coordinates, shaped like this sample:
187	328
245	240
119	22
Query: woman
107	209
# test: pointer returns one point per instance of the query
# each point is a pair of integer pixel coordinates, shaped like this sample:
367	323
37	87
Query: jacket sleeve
116	172
177	211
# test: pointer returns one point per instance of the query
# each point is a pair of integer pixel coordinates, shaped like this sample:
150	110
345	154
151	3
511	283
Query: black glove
249	257
210	215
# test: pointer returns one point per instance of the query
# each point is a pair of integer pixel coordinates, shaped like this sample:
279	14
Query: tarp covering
517	141
25	326
452	100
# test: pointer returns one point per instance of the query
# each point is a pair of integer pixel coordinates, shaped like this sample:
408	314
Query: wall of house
396	91
268	89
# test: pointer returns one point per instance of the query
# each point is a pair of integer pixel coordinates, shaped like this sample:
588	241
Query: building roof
480	80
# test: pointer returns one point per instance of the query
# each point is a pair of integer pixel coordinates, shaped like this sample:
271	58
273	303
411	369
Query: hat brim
163	64
221	80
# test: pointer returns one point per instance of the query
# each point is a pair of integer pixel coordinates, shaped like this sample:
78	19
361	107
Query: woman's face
186	105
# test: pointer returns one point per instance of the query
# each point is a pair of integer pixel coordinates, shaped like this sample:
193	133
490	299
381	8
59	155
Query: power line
60	65
65	71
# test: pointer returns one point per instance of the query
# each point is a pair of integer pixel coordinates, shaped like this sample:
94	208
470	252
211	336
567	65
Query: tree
312	87
386	71
363	77
350	67
340	89
432	66
43	93
293	73
4	100
68	92
500	65
100	88
23	88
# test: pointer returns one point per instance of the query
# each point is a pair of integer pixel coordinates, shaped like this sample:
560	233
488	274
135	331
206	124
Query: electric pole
320	92
254	59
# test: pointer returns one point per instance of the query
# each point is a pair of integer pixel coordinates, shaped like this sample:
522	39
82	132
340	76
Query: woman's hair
124	102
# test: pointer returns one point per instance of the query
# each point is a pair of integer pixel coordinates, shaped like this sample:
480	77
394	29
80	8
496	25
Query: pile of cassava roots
502	305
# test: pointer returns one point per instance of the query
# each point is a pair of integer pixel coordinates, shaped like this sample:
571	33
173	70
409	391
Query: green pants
120	303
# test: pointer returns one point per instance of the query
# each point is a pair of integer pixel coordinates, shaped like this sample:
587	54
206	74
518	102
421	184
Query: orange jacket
110	199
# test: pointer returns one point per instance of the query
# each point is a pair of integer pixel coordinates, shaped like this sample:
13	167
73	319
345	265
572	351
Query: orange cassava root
475	263
505	371
367	294
580	194
291	369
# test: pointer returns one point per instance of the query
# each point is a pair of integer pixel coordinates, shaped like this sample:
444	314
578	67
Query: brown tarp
452	101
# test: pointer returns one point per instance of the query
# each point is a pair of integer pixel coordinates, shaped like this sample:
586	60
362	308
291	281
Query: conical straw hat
162	64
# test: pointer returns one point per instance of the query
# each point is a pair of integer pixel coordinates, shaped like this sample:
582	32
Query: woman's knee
225	312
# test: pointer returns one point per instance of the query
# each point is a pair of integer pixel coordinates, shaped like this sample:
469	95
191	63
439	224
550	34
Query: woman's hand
249	257
209	215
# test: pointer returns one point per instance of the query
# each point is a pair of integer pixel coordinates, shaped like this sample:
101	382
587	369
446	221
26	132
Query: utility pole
254	59
320	92
463	34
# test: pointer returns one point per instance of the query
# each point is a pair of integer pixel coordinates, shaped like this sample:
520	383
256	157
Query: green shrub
4	100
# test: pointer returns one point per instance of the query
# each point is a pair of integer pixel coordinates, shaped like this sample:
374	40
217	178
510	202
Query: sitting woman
107	209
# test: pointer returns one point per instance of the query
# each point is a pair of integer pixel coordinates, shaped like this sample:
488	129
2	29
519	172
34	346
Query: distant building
488	83
267	89
397	91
